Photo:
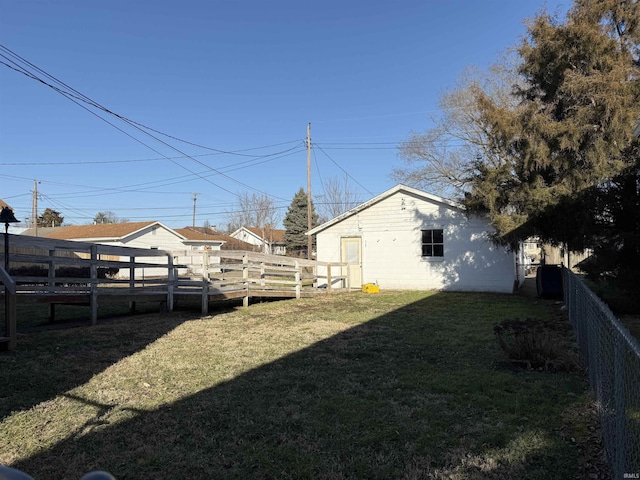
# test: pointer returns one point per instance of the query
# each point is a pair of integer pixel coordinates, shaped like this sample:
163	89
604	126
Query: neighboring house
201	238
150	234
409	239
211	234
547	254
268	240
555	255
532	248
197	239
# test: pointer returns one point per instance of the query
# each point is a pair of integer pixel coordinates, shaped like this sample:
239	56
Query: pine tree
296	225
566	139
50	218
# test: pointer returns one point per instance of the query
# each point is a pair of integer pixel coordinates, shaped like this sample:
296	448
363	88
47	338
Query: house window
433	243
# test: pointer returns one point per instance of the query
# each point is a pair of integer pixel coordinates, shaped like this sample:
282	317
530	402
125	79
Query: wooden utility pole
34	207
309	239
193	222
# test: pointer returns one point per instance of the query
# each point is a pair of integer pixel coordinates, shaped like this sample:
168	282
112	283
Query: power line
75	96
91	190
347	173
281	154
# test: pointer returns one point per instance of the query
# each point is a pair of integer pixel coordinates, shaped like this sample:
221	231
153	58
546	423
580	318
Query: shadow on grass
414	393
84	351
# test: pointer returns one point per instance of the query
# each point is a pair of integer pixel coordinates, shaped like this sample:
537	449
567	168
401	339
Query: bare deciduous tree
443	158
338	197
255	210
108	217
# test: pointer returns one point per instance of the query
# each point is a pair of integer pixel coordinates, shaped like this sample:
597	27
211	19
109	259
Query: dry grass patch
395	385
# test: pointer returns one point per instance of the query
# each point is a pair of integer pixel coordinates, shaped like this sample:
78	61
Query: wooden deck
99	274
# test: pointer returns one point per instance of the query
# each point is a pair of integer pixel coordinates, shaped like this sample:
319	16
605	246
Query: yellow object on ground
370	288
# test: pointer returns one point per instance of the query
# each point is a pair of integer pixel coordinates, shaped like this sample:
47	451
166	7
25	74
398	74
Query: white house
198	239
267	240
150	234
409	239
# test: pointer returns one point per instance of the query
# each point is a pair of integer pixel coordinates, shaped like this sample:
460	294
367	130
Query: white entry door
352	254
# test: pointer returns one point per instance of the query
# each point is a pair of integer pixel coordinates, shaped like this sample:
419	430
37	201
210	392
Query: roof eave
382	196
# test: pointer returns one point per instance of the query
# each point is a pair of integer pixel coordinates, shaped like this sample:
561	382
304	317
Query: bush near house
62	272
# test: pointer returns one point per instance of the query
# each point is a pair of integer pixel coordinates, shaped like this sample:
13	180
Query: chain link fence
612	358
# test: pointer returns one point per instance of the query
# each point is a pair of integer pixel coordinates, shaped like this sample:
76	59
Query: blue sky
234	76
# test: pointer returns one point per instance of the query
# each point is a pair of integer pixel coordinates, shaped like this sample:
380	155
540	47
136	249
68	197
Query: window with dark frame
433	243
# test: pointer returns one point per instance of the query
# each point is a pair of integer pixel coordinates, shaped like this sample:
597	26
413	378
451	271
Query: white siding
391	247
195	261
154	236
247	237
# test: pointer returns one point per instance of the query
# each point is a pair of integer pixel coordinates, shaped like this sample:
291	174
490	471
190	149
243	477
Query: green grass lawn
394	385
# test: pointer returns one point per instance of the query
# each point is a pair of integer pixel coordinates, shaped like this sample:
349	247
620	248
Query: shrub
538	344
65	272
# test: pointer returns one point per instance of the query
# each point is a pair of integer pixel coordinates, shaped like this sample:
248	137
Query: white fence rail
61	271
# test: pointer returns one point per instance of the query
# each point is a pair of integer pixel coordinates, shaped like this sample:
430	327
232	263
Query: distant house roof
237	244
103	231
42	231
4	204
382	196
201	234
274	235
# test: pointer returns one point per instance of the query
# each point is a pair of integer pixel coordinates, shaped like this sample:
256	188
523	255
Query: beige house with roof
150	234
197	240
267	240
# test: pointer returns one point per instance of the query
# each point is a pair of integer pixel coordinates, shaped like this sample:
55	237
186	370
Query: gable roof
42	231
275	235
104	231
233	243
384	195
201	234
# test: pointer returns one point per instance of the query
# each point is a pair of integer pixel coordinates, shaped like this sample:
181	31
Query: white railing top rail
26	241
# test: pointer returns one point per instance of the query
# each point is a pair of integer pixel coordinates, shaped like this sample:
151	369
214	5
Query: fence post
52	284
171	279
204	299
132	281
298	279
11	317
10	314
93	270
329	278
205	296
262	281
245	278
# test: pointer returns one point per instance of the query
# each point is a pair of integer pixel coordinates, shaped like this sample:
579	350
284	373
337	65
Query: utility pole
309	239
195	197
34	206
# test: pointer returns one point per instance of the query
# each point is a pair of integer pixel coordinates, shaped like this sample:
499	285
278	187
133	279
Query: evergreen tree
50	218
296	225
566	138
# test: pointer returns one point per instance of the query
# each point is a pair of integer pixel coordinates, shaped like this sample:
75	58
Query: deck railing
246	274
72	272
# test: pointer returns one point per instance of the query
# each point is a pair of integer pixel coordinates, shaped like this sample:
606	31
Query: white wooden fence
221	274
